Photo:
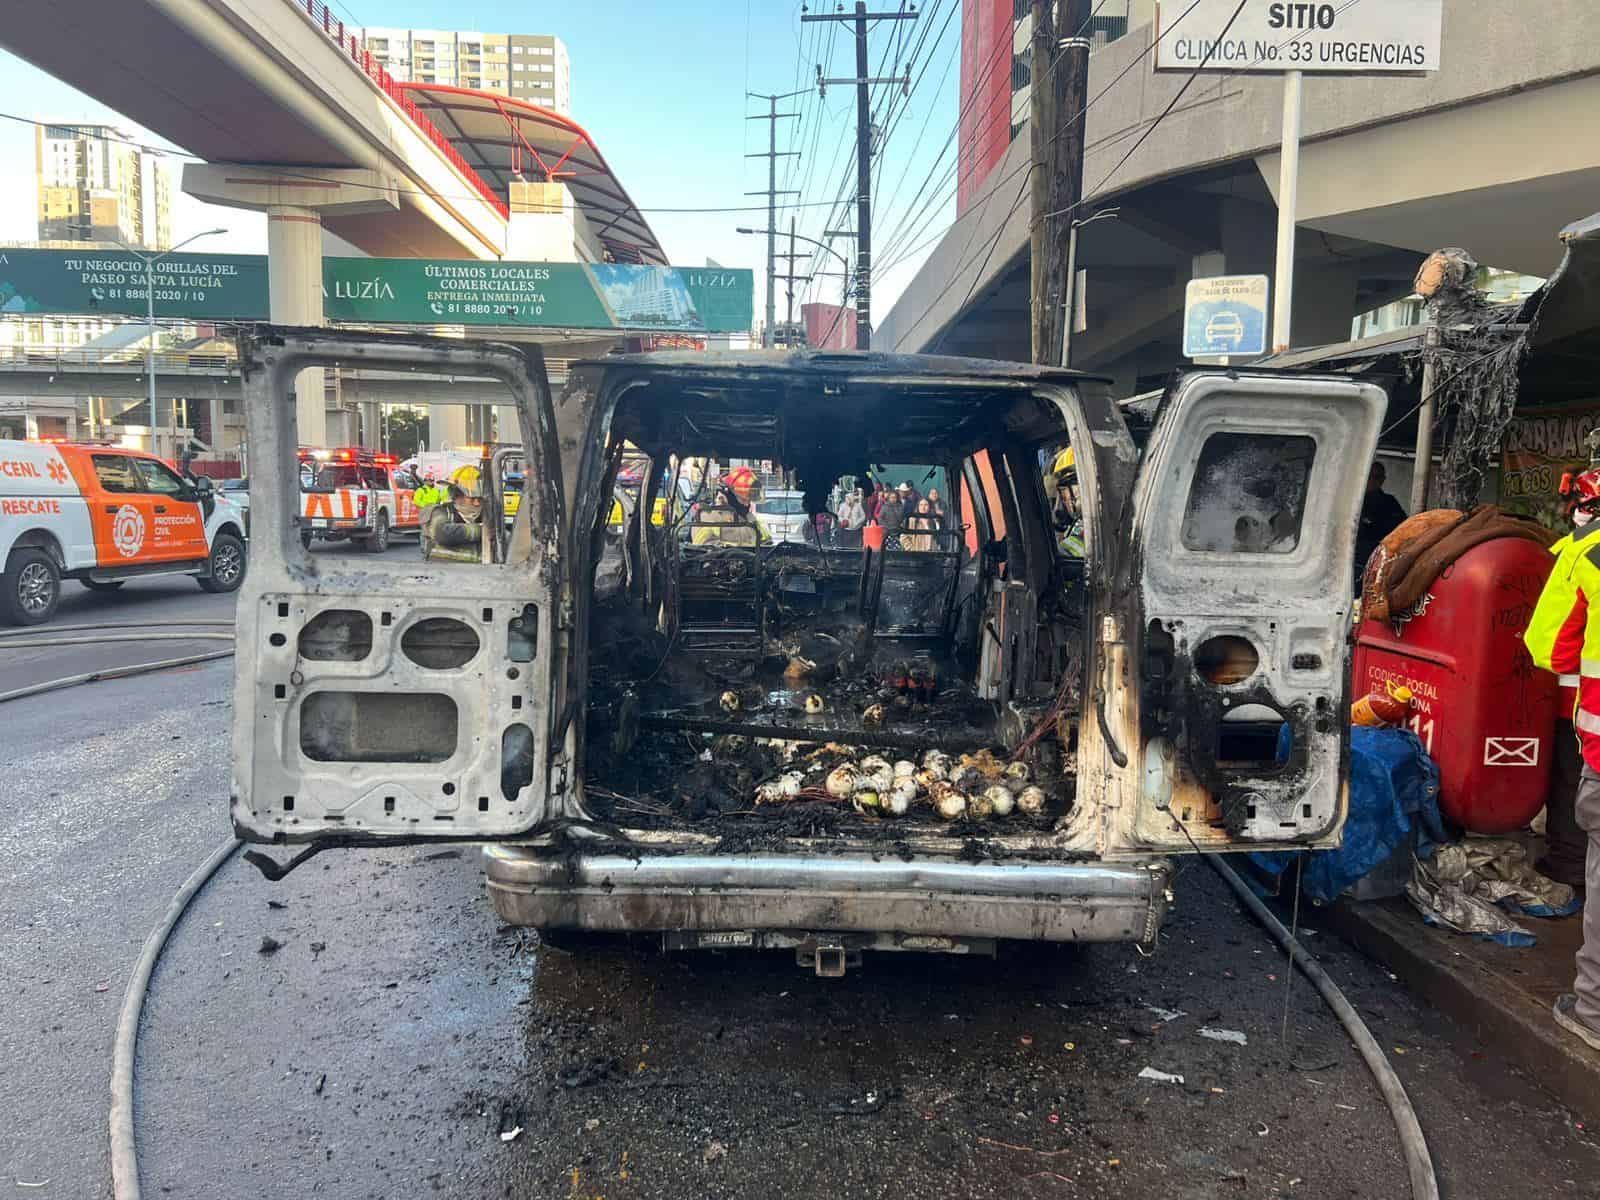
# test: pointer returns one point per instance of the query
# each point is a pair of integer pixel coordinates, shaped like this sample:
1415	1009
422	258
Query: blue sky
660	87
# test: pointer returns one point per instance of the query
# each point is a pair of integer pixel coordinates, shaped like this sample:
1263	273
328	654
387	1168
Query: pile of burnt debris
831	733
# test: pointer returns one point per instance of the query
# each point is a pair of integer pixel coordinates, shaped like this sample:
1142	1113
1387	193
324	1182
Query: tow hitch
827	955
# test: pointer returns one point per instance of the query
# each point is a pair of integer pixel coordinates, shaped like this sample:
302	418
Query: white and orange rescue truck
350	492
104	515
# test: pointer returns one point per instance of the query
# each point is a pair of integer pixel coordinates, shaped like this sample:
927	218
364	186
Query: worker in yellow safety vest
429	493
1564	637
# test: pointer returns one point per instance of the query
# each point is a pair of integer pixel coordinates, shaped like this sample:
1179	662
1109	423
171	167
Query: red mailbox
1482	709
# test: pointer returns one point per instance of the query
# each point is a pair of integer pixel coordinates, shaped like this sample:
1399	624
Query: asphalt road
398	1034
163	603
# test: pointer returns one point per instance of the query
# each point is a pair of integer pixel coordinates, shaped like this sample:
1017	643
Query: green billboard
191	287
388	291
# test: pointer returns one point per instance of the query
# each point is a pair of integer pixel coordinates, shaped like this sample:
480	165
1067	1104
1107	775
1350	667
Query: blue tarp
1394	789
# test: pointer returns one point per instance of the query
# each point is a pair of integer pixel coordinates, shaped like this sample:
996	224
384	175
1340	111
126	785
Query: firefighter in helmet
453	531
1564	637
1066	512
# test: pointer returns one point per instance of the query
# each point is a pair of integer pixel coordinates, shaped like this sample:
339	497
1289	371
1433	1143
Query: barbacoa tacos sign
1539	448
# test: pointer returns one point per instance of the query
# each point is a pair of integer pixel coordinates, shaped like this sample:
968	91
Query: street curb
1494	1007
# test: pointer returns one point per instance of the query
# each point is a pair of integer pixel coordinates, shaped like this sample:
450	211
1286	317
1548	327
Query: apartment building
93	185
530	67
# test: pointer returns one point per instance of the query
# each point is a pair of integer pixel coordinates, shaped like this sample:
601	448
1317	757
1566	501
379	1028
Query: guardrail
333	26
66	359
79	358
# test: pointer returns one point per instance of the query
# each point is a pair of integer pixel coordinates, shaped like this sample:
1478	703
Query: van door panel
1226	696
399	700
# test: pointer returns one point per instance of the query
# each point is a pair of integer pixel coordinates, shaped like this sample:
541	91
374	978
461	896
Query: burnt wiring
1066	696
1473	362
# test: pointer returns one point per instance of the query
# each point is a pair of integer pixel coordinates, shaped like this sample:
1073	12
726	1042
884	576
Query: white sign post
1291	37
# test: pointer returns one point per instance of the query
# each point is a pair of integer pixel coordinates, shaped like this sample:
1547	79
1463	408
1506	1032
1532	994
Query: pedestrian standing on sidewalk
1564	637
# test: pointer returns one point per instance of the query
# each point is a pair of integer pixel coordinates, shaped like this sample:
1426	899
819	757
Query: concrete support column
294	268
217	415
506	426
372	425
295	205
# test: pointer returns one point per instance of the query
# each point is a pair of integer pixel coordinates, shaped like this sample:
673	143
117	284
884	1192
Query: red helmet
1581	490
1583	487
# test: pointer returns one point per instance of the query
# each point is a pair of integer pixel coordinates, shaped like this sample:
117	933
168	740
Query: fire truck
351	492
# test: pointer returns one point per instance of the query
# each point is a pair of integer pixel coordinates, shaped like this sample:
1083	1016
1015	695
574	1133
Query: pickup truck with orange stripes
103	515
351	492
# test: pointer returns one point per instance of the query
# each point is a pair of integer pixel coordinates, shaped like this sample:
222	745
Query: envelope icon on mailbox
1511	752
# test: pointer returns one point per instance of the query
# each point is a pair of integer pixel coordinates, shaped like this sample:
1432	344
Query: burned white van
994	721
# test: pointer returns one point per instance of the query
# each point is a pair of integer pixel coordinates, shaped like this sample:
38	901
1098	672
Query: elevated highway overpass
1494	152
293	118
58	377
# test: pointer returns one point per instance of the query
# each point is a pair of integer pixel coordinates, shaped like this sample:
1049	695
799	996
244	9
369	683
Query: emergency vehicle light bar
347	454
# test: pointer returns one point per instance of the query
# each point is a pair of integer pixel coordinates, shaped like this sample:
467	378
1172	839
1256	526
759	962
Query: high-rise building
94	186
531	67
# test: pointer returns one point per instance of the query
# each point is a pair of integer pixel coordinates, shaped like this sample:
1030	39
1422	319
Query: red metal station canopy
503	139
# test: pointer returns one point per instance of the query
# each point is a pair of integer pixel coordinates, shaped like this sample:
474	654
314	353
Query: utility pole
772	116
789	279
863	84
1056	130
149	259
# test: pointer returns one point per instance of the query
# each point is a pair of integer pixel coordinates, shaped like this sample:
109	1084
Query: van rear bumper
1069	902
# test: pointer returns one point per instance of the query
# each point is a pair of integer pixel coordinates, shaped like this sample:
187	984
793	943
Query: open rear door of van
389	698
1223	706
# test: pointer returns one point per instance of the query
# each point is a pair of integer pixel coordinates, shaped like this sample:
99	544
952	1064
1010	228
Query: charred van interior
761	665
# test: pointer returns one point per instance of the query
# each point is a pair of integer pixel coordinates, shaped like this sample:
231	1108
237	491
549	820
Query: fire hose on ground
124	1154
1413	1146
34	639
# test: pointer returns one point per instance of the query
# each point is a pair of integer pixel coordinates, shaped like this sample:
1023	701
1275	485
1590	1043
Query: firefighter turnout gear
1559	635
1564	637
1067	519
1566	844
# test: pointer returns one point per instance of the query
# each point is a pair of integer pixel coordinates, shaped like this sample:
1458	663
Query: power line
834	220
863	83
290	173
890	120
955	174
1027	167
772	154
1187	83
927	117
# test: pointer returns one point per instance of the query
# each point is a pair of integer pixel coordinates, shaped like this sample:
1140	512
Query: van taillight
361	506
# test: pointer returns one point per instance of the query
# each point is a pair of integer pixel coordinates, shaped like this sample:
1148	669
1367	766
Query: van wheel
102	585
31	587
305	538
379	541
226	565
